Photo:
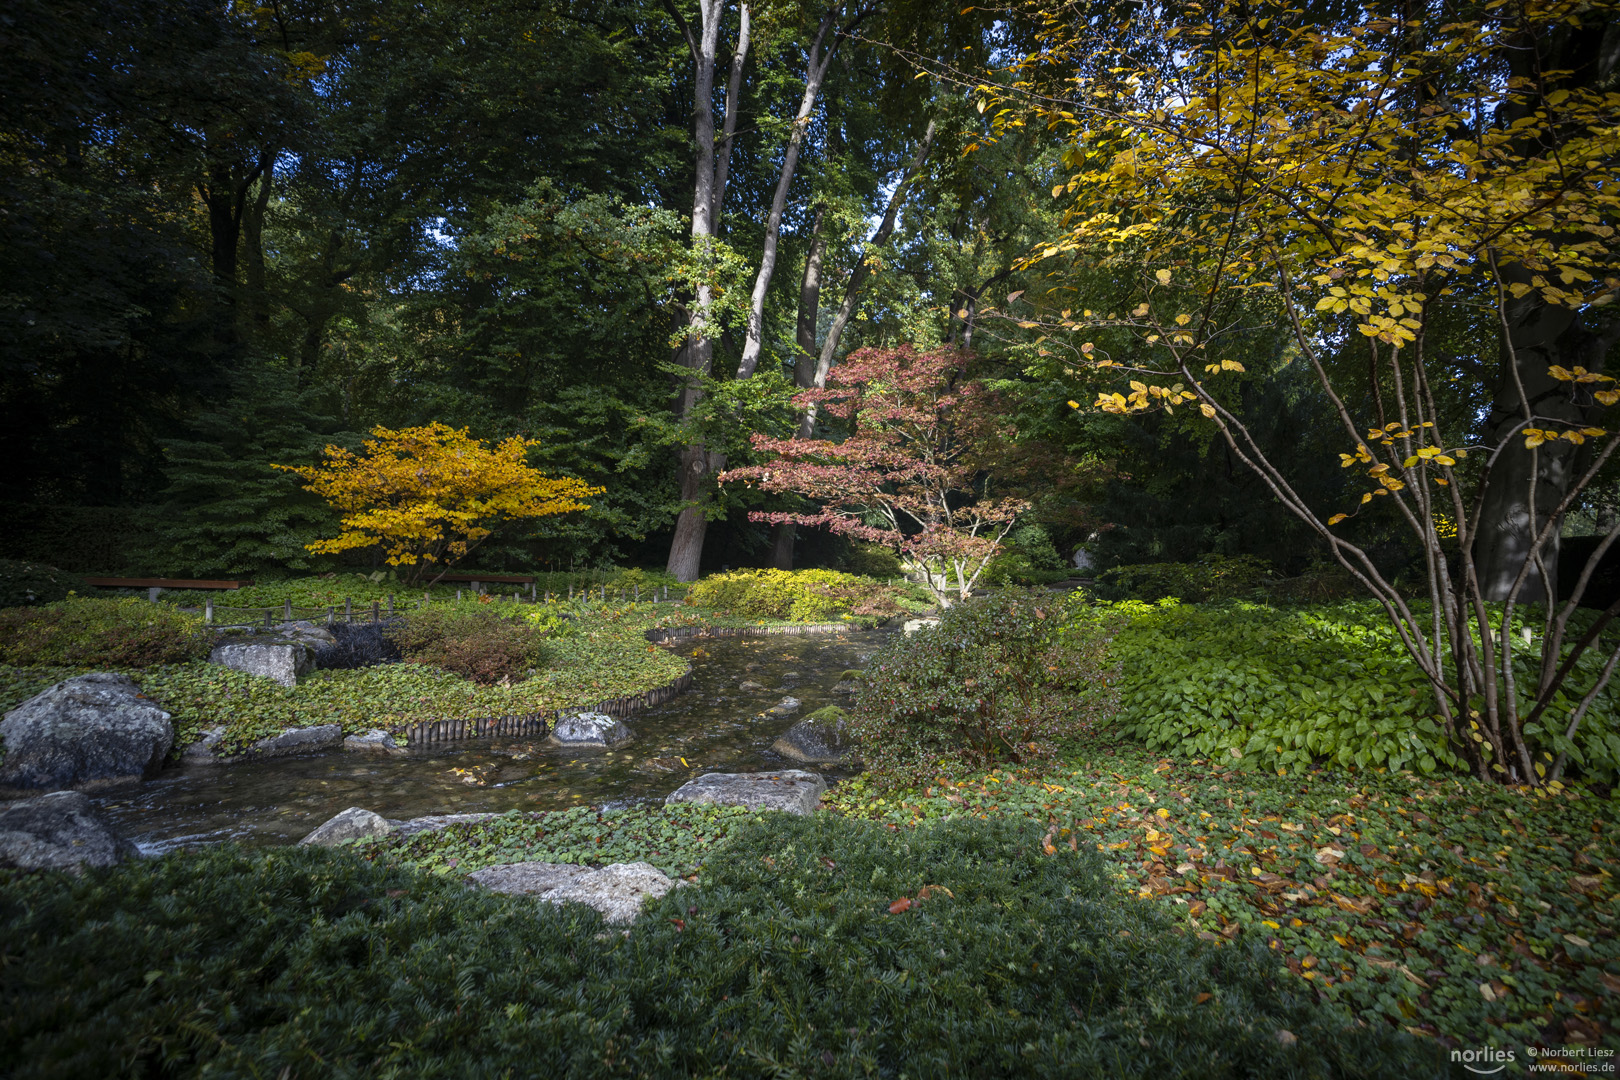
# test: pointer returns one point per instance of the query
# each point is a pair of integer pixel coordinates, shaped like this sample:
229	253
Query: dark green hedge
792	959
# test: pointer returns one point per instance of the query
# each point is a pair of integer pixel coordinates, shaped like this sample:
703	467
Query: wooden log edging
682	633
437	731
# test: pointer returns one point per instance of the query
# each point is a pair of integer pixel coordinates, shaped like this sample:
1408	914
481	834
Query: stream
716	726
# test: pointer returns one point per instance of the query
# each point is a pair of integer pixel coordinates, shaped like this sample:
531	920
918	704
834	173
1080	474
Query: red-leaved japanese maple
915	471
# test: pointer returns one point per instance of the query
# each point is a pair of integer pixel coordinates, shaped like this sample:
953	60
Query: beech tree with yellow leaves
1361	177
429	495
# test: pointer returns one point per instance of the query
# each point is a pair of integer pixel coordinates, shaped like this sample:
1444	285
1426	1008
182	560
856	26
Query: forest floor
1471	913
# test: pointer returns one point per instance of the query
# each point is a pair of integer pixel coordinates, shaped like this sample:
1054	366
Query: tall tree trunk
805	367
257	308
686	548
224	192
1536	335
863	268
815	71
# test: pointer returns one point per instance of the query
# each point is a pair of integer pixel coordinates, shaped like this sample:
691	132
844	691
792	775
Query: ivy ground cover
1467	913
606	656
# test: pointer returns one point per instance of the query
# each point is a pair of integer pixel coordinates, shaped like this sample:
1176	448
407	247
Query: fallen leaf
1408	973
1578	941
1328	856
680	925
1286	1037
901	905
1203	998
928	892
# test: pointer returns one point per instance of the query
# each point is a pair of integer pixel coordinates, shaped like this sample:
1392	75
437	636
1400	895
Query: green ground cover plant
814	947
1470	913
1004	677
803	596
1283	687
112	632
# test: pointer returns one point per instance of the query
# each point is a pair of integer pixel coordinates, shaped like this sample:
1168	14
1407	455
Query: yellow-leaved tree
430	494
1391	185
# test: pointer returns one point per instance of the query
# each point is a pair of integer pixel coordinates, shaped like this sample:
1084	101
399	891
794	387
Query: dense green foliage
1282	687
23	583
1461	910
101	633
1006	677
806	596
824	947
1211	577
486	643
1029	559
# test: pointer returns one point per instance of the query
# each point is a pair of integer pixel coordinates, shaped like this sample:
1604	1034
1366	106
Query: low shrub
1212	577
472	640
873	561
26	583
85	631
805	596
359	645
815	947
1030	558
1321	583
1004	677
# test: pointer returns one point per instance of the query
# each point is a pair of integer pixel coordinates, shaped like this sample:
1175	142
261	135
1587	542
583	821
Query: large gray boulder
59	831
352	824
792	790
299	741
92	727
278	661
617	891
820	738
591	731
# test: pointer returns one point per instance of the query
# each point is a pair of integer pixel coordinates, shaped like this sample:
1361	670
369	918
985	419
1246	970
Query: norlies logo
1486	1062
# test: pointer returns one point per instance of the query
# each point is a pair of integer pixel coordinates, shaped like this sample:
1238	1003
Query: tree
430	494
1376	179
915	474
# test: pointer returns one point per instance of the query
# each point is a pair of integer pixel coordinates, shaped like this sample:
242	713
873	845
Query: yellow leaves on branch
1534	437
1144	397
430	494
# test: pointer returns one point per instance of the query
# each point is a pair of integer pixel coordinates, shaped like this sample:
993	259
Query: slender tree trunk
863	269
815	72
686	548
805	367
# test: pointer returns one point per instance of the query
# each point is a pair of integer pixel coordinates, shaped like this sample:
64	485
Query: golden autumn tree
431	494
1372	181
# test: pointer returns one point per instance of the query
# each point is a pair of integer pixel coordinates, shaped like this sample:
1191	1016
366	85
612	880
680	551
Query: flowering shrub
103	633
1007	677
806	596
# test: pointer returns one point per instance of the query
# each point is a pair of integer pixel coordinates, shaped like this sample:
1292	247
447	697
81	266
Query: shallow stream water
716	726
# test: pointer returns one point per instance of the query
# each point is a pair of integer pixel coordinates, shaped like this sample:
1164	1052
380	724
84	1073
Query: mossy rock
852	675
830	714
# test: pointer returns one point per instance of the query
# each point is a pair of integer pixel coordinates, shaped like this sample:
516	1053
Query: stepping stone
59	831
792	790
750	685
591	730
352	824
786	707
617	890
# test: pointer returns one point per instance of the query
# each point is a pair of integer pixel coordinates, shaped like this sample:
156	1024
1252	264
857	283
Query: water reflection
716	726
